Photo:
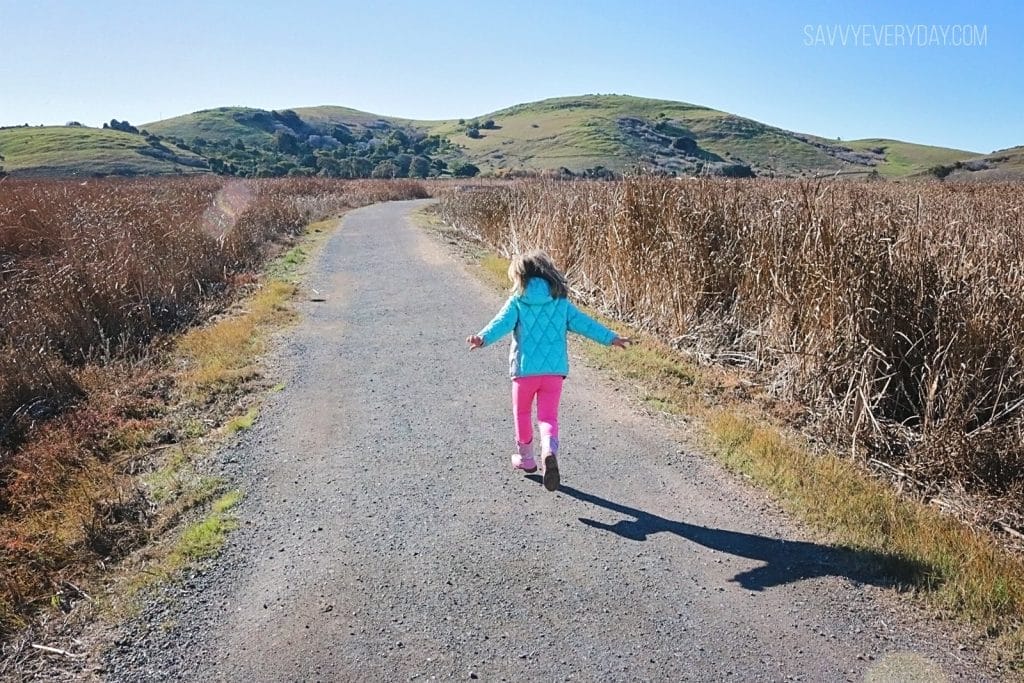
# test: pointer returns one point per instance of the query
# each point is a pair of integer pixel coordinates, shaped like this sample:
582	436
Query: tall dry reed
90	273
894	312
95	269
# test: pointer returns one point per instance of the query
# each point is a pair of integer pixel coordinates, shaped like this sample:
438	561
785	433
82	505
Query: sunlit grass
101	279
957	568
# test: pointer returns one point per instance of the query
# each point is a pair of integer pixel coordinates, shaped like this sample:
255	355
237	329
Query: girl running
539	315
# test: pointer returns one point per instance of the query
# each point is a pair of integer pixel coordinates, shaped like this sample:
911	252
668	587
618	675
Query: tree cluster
296	149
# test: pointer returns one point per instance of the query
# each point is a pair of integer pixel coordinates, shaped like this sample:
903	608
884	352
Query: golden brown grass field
102	397
880	325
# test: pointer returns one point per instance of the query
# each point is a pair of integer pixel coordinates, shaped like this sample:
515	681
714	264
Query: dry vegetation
95	277
893	314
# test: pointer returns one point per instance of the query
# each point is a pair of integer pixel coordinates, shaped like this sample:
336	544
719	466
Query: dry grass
222	354
892	314
97	279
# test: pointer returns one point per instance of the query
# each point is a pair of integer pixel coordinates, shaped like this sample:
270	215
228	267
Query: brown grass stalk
92	274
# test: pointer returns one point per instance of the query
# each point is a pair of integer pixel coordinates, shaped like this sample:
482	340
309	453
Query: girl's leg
549	393
523	391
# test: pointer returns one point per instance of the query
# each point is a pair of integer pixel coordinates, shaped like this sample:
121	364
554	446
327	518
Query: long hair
537	263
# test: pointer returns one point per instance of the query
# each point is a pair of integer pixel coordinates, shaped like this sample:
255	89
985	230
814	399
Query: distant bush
402	161
342	134
473	133
488	124
940	171
292	121
685	144
419	167
464	170
122	126
286	142
600	173
385	169
736	171
73	124
976	164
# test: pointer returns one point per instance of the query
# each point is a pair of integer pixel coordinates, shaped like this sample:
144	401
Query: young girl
539	315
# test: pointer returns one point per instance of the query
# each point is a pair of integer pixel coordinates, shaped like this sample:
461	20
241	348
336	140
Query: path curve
384	536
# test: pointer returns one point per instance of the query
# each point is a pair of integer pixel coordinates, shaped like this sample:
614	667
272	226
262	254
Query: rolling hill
1005	164
619	131
587	134
79	151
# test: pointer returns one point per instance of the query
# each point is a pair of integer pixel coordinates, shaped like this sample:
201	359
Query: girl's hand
474	342
622	342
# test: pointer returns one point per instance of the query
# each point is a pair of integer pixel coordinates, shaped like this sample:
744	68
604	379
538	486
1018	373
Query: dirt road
385	537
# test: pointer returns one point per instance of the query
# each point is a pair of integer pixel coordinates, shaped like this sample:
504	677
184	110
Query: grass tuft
203	539
243	422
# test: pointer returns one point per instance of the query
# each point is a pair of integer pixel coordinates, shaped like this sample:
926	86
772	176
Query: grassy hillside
907	158
327	141
1005	164
583	134
327	116
620	131
257	126
80	151
223	123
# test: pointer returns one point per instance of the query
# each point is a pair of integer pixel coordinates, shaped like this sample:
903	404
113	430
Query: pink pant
548	390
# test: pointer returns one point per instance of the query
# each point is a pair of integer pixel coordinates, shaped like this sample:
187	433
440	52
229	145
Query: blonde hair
537	263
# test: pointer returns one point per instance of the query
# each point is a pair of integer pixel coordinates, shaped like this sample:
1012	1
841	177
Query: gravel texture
385	537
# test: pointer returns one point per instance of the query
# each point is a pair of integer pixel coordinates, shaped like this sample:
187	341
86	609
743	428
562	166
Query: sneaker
523	459
551	477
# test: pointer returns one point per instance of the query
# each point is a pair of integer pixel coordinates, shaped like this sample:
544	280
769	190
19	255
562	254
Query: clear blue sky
100	59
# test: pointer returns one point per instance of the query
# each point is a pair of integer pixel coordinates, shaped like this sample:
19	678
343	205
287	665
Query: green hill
616	132
620	132
223	123
1004	164
907	158
258	126
80	151
588	134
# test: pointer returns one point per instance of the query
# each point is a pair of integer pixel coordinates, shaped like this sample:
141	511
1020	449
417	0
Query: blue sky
832	69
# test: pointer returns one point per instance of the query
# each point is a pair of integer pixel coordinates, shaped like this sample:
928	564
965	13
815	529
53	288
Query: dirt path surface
385	537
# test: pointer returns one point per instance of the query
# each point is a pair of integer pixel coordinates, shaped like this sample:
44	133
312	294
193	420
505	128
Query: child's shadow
784	561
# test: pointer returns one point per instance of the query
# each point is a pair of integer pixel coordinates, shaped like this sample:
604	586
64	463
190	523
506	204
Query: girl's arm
504	322
581	323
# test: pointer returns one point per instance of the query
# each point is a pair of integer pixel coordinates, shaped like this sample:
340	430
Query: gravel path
385	537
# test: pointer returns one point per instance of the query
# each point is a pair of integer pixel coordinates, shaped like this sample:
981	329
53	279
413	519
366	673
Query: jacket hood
537	292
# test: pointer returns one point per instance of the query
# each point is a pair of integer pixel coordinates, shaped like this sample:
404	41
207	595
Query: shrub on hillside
464	170
122	126
735	171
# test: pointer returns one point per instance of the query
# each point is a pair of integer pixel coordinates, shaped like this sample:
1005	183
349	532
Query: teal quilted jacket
539	323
